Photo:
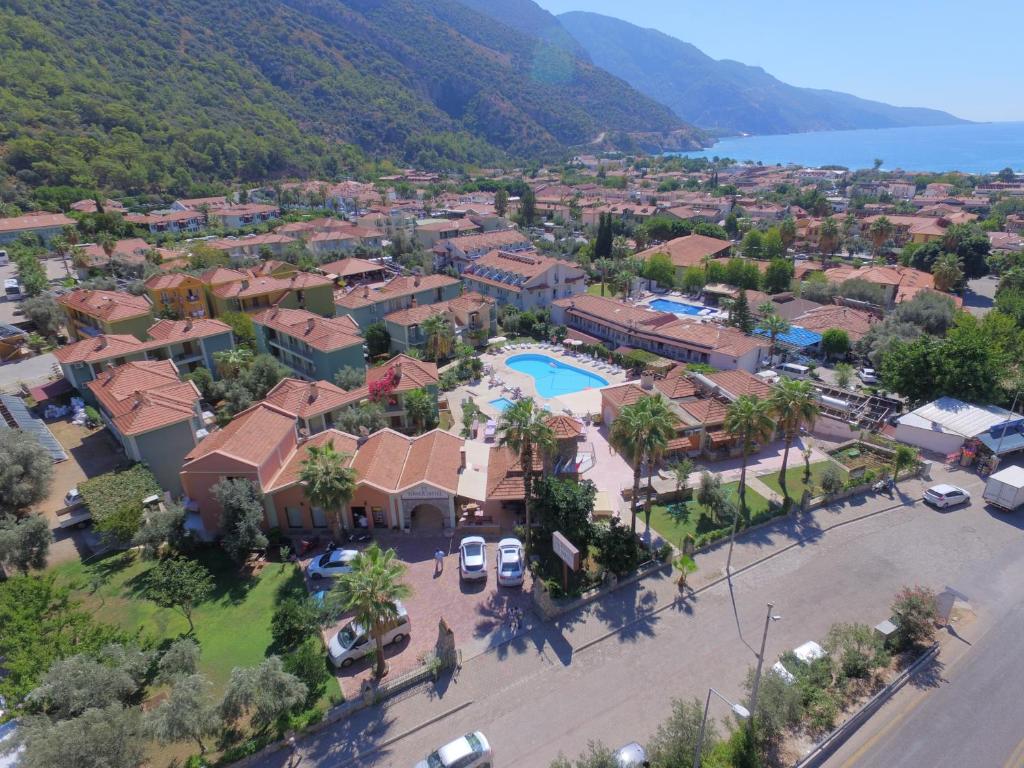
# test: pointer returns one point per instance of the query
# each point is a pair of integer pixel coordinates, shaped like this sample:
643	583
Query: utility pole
768	619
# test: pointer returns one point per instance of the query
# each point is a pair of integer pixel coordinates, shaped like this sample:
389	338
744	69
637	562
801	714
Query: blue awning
797	337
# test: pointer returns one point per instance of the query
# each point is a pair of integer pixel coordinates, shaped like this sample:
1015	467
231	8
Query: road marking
1016	759
409	732
871	742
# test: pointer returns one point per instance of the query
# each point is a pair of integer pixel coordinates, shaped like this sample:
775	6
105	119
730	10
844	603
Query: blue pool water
554	378
665	305
501	403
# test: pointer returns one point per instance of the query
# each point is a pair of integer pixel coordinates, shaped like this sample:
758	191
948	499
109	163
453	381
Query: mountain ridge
727	97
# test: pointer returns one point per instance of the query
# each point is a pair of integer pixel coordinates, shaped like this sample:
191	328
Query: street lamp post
760	660
738	709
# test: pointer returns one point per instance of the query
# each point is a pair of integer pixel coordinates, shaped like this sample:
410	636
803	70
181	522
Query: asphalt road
965	709
547	693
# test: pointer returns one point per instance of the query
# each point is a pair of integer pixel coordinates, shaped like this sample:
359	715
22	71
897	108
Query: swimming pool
676	307
554	377
502	403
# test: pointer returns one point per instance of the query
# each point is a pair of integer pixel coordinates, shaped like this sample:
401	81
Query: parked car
473	558
867	375
469	751
73	498
510	563
944	495
353	642
631	756
331	564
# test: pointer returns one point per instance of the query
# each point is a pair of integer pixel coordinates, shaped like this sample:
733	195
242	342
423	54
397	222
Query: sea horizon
975	147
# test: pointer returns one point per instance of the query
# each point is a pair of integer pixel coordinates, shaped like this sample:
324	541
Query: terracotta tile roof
415	374
364	296
132	250
289	473
221	275
102	347
37	220
467	302
169	331
306	399
349	267
109	306
688	251
624	394
231	243
676	387
720	338
855	322
218	201
162	218
393	462
462	225
685	443
487	240
323	333
908	281
493	267
172	280
738	383
564	427
705	411
145	395
246	209
249	286
251	437
505	474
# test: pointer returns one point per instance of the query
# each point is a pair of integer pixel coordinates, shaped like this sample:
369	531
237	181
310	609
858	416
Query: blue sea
971	148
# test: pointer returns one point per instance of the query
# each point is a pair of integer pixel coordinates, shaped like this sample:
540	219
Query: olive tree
26	471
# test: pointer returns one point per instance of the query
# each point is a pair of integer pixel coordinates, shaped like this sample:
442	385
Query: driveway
978	298
475	611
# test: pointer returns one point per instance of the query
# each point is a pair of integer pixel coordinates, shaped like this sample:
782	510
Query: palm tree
903	456
524	429
439	337
828	236
947	272
794	404
61	247
681	471
774	326
641	431
880	231
326	481
749	419
419	409
661	425
370	591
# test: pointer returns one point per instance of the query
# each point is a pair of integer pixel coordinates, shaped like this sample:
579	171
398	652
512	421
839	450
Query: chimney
647	380
412	302
245	285
188	323
309	324
366	291
302	435
416	281
312	392
140	399
101	342
462	458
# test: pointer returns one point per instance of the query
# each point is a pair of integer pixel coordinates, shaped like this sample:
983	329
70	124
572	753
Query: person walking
438	562
293	752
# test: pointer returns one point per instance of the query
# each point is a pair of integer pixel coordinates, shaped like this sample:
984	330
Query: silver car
944	495
509	563
331	564
473	558
631	756
469	751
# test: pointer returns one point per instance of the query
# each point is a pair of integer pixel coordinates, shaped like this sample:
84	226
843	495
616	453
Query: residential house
129	252
200	203
89	313
173	222
251	246
662	333
389	383
316	405
178	294
689	251
189	343
245	215
252	291
855	322
370	304
89	206
353	271
898	283
153	415
430	231
472	317
460	252
524	280
45	226
312	346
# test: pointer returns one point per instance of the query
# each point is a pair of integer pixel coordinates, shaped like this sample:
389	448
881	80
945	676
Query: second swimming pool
553	377
677	307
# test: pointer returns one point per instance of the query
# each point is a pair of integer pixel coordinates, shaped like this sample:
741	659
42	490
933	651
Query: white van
353	642
794	370
12	289
4	258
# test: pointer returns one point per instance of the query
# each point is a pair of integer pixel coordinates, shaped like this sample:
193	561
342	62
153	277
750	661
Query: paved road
965	709
981	291
561	685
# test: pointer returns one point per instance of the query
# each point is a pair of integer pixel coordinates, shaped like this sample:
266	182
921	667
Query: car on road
867	375
510	563
73	498
473	558
331	564
944	495
469	751
631	756
353	642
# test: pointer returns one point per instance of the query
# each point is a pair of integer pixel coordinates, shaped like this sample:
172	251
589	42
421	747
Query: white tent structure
943	425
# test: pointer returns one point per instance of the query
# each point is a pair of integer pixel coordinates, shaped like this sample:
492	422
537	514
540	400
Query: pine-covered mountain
528	17
727	97
137	96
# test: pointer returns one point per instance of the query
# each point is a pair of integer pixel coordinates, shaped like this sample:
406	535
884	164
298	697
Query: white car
352	642
331	564
73	498
469	751
944	495
631	756
473	558
867	375
510	563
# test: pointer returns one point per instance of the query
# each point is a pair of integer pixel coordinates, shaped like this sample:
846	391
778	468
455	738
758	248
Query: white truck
1005	489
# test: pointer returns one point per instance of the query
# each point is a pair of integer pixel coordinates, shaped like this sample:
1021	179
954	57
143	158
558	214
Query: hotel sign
565	551
425	491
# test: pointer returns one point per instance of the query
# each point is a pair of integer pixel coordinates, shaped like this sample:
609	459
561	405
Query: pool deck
579	403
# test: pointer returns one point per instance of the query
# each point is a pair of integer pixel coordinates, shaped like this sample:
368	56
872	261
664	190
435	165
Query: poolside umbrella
497	339
574	342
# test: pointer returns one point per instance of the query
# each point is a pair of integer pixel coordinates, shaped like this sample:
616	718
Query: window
294	517
319	517
378	515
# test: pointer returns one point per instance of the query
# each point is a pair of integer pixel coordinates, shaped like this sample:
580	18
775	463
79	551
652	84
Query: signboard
424	491
565	551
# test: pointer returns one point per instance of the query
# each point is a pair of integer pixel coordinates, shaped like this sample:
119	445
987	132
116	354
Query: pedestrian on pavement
293	752
438	562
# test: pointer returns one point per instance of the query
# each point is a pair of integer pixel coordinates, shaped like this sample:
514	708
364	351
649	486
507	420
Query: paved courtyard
476	611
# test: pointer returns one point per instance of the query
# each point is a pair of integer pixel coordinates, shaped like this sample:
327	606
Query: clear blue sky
960	57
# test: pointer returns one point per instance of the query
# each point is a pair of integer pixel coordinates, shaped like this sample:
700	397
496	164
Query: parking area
477	612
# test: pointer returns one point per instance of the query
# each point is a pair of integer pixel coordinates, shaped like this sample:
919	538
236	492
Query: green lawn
674	531
594	289
233	627
795	479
